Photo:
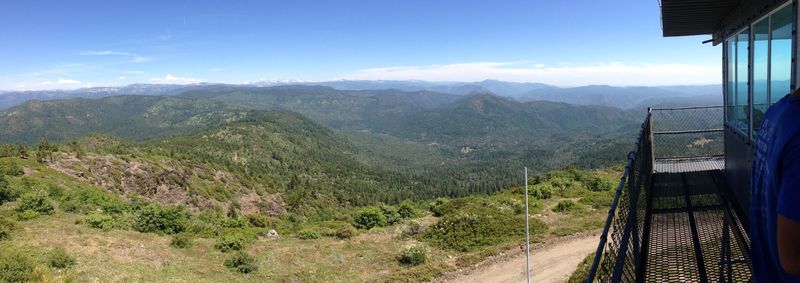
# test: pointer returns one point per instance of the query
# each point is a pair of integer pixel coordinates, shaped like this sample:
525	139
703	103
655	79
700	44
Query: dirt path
553	262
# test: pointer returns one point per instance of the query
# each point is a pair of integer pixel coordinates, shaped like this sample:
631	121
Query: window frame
750	134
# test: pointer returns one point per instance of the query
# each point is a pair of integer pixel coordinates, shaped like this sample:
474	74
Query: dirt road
553	262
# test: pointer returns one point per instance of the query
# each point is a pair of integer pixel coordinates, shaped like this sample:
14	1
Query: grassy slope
127	255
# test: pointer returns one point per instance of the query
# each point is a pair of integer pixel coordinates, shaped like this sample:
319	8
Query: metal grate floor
693	236
685	165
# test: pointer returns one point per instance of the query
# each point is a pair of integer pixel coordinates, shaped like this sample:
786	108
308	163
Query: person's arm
789	244
788	220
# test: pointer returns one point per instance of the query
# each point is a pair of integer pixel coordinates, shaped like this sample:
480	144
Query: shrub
598	184
476	227
437	207
369	217
35	202
345	232
86	200
59	258
258	220
4	234
100	221
413	255
407	209
15	266
241	262
541	191
6	193
234	222
181	241
568	206
152	218
308	234
231	242
391	214
27	215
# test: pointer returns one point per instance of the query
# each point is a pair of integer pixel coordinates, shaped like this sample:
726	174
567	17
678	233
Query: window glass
781	59
760	71
742	111
730	95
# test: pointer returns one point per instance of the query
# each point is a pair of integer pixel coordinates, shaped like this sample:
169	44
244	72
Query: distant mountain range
599	95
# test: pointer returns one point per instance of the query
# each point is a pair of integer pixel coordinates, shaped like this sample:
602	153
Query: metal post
527	233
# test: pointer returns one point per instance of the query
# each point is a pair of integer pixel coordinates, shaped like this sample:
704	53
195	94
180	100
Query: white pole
527	237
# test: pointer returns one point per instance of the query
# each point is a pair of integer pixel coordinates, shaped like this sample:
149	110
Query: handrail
614	204
687	108
688	132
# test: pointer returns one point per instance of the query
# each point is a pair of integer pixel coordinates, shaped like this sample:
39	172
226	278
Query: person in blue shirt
775	195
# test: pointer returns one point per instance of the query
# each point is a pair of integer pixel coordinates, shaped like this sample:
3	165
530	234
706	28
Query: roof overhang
695	17
718	18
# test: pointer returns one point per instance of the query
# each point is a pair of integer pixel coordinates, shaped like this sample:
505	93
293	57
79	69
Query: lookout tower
681	208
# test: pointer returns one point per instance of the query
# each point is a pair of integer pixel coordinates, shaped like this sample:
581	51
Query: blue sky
69	44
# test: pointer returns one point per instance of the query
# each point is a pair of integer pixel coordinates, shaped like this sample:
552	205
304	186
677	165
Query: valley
364	185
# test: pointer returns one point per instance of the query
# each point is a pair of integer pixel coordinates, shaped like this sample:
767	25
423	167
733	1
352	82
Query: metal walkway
691	234
670	220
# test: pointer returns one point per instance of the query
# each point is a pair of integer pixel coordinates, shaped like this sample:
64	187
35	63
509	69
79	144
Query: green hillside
130	117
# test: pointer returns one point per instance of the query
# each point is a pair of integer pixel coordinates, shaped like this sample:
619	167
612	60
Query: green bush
368	217
407	210
59	258
568	206
241	262
438	207
10	168
231	242
598	184
27	215
15	266
100	221
6	193
170	220
35	202
391	214
4	234
413	255
308	234
479	226
181	241
88	200
541	191
345	232
258	220
234	222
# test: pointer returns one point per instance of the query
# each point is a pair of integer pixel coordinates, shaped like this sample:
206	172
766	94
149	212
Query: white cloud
134	58
141	59
121	78
217	69
616	73
170	79
105	53
68	82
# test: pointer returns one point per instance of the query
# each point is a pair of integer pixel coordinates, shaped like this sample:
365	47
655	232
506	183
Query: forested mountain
130	117
390	144
620	97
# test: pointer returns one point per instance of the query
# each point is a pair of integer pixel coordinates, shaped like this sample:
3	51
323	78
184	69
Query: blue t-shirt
775	187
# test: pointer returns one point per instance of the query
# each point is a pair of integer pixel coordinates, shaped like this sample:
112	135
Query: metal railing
667	135
619	254
688	132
